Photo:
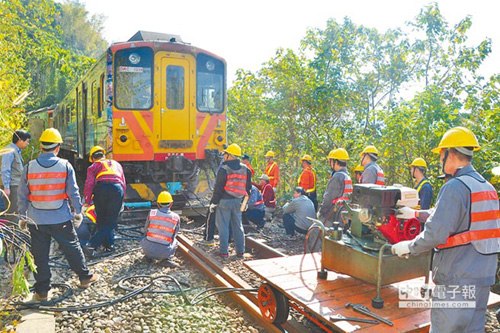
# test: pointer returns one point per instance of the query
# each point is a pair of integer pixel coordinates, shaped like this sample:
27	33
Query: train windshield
134	78
209	84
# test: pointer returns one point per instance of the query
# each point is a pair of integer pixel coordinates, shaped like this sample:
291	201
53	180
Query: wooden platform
295	277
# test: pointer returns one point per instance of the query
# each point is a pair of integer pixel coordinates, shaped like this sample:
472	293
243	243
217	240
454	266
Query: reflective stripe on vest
108	168
161	228
236	181
380	178
484	226
47	185
347	188
270	168
422	183
91	214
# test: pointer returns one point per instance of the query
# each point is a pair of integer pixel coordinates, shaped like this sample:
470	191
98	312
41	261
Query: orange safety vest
484	215
91	214
236	181
47	185
109	168
347	188
307	180
273	172
162	226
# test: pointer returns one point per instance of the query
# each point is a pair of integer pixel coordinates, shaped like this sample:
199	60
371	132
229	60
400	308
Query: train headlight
123	138
210	65
134	58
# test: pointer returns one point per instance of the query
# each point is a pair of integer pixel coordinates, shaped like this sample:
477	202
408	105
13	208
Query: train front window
134	78
175	87
209	84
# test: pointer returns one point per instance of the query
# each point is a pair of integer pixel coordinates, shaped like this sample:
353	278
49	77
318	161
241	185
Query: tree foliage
349	86
44	48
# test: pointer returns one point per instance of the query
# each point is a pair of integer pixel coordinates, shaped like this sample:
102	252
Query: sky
248	33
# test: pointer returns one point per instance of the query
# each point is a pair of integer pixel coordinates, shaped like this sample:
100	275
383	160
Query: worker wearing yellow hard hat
232	185
373	173
105	187
307	179
272	169
339	187
49	195
162	227
465	228
358	172
418	170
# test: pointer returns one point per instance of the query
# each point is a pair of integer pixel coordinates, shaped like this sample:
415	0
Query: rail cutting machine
359	244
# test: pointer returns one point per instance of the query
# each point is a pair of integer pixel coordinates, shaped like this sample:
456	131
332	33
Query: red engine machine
358	245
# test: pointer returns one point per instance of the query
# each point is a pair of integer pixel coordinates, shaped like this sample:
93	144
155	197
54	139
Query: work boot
89	252
84	284
40	296
167	263
109	249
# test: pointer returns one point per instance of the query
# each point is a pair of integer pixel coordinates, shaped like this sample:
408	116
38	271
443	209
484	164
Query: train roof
142	35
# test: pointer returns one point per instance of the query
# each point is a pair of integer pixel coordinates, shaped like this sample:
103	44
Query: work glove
212	207
406	213
401	249
23	224
77	220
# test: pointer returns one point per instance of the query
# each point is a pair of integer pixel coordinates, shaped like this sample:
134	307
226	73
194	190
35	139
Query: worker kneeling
162	227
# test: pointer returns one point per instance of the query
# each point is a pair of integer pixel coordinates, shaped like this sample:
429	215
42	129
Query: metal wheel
272	304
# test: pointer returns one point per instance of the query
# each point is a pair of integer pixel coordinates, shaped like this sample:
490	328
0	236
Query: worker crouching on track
464	228
105	186
47	187
296	213
162	227
233	182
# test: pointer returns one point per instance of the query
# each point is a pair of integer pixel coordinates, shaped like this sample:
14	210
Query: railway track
224	277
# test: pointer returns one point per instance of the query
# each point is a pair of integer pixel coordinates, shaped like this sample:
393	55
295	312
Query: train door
174	108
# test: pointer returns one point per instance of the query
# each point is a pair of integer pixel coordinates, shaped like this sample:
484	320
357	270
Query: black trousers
65	236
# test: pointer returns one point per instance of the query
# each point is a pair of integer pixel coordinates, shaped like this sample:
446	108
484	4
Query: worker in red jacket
307	179
268	196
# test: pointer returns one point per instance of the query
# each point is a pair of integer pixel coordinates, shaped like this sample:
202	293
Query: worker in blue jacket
47	191
418	168
464	228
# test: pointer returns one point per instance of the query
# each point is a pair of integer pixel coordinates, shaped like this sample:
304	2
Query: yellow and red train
158	106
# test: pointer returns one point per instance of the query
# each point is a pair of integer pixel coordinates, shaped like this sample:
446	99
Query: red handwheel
273	304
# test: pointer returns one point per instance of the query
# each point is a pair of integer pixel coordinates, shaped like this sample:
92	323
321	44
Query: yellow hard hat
306	158
95	149
457	137
369	150
338	154
51	135
359	168
233	149
269	154
164	198
419	162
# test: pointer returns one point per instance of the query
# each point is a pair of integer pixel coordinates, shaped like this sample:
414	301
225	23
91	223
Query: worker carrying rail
161	229
46	191
104	186
464	228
